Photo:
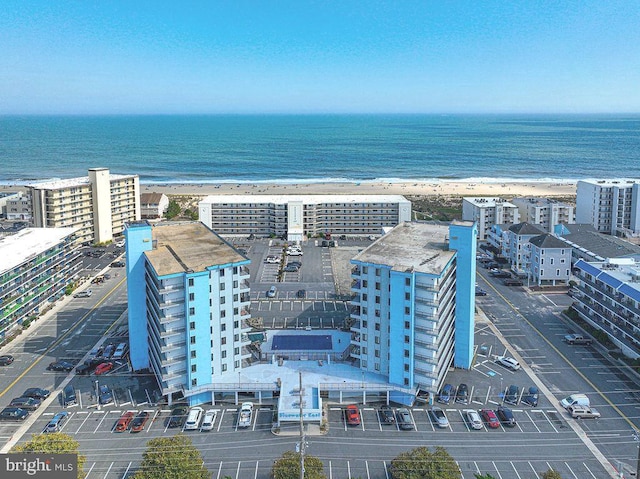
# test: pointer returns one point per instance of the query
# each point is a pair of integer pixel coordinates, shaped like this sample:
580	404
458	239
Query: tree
172	458
551	474
173	209
58	443
288	467
421	463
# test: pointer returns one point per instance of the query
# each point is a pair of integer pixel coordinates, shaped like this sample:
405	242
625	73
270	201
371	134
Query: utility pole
302	445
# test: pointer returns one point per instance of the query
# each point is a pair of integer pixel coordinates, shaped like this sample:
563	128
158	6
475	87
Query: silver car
473	418
439	417
507	362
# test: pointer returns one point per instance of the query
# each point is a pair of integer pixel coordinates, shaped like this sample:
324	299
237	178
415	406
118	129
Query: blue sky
87	57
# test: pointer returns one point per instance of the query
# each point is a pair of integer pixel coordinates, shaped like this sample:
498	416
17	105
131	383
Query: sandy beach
446	188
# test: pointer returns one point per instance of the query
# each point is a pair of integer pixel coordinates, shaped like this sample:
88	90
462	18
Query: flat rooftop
305	199
71	182
486	202
411	246
28	243
620	182
189	247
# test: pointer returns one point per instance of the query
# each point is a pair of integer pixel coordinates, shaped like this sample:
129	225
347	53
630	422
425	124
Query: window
223	314
377	313
223	300
407	310
192	325
406	368
551	260
236	364
364	324
377	299
406	353
377	271
193	368
378	286
407	339
364	296
190	281
406	381
364	310
377	353
223	341
192	296
236	337
236	351
365	269
407	325
557	272
364	336
364	364
377	340
365	283
192	311
223	327
193	354
377	328
224	368
192	340
407	296
377	367
222	286
223	355
407	281
221	272
364	350
194	382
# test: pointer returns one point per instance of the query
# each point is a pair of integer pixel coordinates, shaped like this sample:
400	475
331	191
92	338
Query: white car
473	418
272	292
193	419
209	420
120	244
272	260
294	252
507	362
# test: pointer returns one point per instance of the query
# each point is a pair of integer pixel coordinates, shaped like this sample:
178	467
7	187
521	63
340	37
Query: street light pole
97	395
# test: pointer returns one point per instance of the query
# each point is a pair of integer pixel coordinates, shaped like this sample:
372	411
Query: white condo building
611	206
296	216
487	212
545	212
97	205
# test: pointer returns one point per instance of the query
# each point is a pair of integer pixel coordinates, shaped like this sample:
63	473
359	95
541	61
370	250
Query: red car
490	418
140	420
103	368
123	423
352	415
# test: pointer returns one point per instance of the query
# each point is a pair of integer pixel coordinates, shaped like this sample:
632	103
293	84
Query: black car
6	360
386	415
60	366
531	398
36	393
117	264
13	414
30	404
106	397
178	416
480	291
88	366
302	293
512	394
290	269
506	416
462	394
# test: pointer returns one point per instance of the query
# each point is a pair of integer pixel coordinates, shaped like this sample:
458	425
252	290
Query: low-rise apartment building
98	205
36	265
487	212
587	244
611	206
549	261
515	245
153	205
609	299
188	297
297	216
545	212
413	303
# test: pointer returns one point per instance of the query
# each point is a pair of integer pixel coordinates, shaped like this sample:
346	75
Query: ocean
314	148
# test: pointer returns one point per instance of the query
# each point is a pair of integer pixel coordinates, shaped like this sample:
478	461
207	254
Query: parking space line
108	470
496	468
126	471
219	470
549	421
100	422
330	470
255	476
532	421
90	469
238	470
515	470
82	424
587	468
413	420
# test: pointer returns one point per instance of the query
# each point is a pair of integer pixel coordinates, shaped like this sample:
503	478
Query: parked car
69	396
60	366
473	418
302	293
36	393
439	417
462	394
352	415
209	420
386	414
480	292
272	259
139	421
490	418
105	396
505	415
108	351
404	419
290	269
508	363
123	423
446	393
6	359
178	416
272	292
88	366
103	368
118	264
13	414
83	294
294	252
583	412
30	404
512	394
513	282
194	418
56	422
531	398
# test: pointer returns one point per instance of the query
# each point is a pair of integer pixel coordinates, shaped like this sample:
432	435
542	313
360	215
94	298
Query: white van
575	400
194	417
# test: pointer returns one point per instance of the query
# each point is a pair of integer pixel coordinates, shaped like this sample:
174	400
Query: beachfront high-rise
487	212
98	205
611	206
414	301
545	212
295	216
36	265
188	297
